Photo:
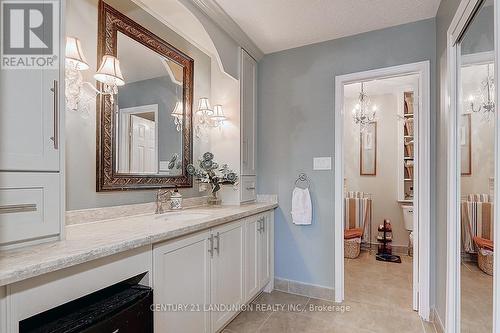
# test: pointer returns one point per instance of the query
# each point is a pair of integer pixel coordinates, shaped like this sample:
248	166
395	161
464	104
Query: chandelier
362	114
486	97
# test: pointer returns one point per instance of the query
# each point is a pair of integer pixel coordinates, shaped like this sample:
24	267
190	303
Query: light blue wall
295	124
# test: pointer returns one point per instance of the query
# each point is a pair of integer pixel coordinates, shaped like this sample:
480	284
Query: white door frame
466	10
422	172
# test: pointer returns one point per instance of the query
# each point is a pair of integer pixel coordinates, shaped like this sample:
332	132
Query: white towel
301	206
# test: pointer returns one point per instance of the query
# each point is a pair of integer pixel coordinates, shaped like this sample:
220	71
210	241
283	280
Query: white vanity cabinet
181	275
226	273
248	93
211	273
265	261
31	127
257	254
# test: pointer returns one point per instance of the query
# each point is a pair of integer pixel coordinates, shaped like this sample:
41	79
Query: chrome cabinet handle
211	248
22	208
247	152
245	148
217	247
55	91
263	222
261	225
250	188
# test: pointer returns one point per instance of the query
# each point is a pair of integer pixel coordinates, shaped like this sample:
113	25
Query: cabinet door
181	276
265	250
252	243
226	275
29	120
248	93
30	206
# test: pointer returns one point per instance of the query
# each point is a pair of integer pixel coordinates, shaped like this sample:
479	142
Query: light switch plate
322	163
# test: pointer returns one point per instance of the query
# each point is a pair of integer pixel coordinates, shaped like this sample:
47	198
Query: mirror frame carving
111	22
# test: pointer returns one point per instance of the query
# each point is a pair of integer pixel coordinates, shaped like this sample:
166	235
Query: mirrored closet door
476	133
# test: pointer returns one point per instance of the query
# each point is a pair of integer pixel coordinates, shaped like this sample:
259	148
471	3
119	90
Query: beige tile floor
477	300
378	299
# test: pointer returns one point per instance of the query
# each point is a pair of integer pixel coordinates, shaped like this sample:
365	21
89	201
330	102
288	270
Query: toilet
408	222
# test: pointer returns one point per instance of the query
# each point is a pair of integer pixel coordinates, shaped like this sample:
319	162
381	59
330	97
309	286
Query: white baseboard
304	289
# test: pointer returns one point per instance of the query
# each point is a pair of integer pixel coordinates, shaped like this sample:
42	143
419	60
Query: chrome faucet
162	196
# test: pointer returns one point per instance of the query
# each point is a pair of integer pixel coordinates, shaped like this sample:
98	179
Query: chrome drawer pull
217	248
211	249
251	188
55	91
22	208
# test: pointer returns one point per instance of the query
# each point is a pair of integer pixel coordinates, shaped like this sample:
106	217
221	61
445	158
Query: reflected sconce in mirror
109	74
178	114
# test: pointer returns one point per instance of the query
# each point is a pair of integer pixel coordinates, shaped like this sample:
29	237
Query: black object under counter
120	308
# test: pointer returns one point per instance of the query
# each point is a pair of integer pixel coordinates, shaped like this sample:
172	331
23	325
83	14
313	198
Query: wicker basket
352	248
485	262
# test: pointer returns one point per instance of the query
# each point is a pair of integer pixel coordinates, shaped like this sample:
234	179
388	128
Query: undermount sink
182	216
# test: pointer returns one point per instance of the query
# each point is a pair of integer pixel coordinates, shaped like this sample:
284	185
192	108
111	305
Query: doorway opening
382	190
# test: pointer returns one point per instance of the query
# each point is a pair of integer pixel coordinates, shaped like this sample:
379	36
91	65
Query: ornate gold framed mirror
144	118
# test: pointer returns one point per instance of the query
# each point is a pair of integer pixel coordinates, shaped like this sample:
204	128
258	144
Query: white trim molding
421	266
215	12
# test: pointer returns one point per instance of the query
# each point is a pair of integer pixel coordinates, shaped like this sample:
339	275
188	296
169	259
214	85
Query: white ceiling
276	25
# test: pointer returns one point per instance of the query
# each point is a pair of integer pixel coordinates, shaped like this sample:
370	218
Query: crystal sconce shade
218	116
204	107
74	55
208	117
109	73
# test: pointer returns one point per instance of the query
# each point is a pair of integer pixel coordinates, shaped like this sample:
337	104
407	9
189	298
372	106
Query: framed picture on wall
465	144
368	150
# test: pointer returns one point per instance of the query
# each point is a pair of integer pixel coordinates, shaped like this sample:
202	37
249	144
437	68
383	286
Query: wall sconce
178	114
208	117
218	116
109	74
203	113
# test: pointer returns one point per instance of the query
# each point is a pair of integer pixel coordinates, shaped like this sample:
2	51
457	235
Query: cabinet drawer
29	206
248	188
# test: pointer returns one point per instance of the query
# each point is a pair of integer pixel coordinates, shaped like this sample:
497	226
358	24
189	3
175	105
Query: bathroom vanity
210	259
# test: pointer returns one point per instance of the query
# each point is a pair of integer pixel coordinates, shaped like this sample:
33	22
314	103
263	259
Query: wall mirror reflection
150	111
476	139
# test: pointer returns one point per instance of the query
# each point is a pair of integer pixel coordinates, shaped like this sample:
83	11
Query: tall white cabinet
31	118
248	100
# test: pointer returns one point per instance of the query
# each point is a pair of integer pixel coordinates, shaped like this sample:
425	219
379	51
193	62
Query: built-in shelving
406	145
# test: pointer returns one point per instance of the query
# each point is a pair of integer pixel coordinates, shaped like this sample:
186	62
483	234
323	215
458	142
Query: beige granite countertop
89	241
